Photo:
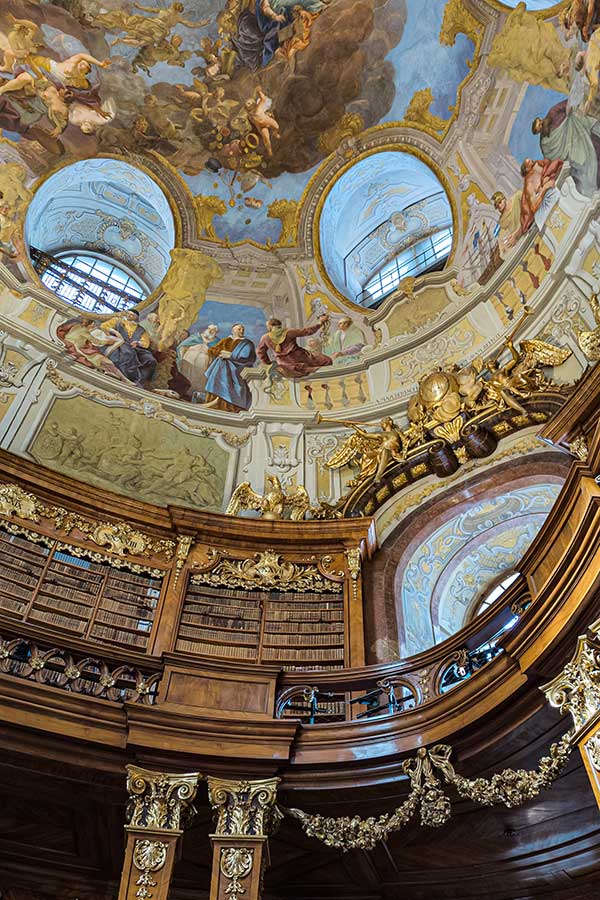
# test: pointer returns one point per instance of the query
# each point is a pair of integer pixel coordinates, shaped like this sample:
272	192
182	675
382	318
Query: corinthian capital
576	689
244	808
159	800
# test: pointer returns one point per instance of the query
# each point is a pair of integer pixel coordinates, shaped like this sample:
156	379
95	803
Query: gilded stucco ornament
159	800
428	771
269	571
576	690
236	865
579	448
244	808
184	545
589	341
448	414
274	503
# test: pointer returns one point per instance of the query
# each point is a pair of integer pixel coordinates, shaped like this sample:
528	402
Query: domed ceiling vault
279	132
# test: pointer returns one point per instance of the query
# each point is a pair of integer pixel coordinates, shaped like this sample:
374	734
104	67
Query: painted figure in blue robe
193	358
257	36
225	387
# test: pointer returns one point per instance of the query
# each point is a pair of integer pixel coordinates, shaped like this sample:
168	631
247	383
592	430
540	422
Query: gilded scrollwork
184	545
269	571
159	800
576	690
428	771
117	537
14	501
353	558
244	808
579	448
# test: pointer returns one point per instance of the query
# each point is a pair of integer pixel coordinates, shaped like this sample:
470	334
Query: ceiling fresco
256	163
245	99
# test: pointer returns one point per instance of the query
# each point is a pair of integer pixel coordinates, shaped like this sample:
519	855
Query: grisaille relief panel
152	461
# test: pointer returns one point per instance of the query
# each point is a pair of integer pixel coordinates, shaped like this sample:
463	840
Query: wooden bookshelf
294	630
220	622
70	594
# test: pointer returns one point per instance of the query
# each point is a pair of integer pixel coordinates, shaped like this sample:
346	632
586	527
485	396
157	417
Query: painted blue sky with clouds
421	61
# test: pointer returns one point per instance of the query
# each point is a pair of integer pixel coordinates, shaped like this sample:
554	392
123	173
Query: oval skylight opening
385	219
100	234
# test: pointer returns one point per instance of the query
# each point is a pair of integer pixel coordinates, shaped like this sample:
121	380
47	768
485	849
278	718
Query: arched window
423	256
494	594
88	281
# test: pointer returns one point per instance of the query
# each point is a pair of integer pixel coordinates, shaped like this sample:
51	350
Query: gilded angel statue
589	341
373	451
521	375
274	503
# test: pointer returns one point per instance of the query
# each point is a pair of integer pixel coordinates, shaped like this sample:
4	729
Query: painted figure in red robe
279	345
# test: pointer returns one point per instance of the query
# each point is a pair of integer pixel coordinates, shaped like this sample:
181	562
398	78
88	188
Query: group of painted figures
201	366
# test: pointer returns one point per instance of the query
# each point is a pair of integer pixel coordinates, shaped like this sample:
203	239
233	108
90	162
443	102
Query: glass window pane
88	282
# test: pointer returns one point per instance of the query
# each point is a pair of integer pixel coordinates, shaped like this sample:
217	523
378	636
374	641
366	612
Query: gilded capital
244	808
576	690
158	800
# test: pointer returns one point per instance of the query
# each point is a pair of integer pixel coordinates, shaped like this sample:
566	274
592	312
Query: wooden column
246	814
576	690
160	807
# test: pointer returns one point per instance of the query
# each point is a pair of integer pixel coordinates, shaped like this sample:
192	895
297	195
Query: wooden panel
214	689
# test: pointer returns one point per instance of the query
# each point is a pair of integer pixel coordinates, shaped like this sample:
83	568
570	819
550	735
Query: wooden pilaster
160	806
246	813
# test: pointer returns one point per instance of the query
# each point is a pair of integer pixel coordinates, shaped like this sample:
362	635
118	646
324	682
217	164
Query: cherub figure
257	110
145	30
